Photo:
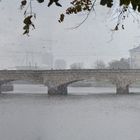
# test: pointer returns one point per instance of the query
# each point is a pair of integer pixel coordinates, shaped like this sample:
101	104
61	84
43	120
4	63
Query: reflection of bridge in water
58	80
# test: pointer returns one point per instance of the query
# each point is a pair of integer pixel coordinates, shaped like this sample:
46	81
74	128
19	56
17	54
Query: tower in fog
47	60
135	58
60	64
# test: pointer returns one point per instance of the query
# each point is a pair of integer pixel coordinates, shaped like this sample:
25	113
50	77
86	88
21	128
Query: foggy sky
90	42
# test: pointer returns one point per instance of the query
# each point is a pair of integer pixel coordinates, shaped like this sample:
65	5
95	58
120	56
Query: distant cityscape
47	61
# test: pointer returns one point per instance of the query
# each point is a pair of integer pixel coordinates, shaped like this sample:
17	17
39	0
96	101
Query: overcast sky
90	42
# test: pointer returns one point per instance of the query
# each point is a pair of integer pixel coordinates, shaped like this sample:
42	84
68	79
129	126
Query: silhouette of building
36	60
47	60
77	65
135	58
60	64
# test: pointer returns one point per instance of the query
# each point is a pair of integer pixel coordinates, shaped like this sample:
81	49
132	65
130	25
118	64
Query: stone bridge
58	80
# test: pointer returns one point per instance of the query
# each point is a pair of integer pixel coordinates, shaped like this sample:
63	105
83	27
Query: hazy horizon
90	42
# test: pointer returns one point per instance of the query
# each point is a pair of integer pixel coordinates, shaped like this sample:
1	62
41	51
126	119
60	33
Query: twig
92	8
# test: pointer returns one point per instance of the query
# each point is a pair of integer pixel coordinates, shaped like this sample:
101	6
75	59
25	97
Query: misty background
92	41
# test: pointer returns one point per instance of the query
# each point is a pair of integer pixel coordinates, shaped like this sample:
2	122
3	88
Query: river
81	115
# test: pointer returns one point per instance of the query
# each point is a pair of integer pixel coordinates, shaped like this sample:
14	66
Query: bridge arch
122	83
61	89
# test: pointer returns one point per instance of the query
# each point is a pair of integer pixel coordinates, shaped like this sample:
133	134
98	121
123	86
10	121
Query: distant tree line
100	64
115	64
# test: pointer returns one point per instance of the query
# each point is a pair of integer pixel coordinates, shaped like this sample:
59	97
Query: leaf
61	19
103	2
116	28
109	3
54	1
26	32
50	3
27	20
40	1
123	27
26	27
58	4
23	2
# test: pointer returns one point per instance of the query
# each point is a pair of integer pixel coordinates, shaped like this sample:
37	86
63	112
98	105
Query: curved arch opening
91	86
135	87
26	87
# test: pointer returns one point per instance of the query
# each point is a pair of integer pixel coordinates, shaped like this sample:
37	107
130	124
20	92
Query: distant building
60	64
135	58
47	60
36	61
77	65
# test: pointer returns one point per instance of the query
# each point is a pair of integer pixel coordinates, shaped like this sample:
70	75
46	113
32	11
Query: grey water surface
81	115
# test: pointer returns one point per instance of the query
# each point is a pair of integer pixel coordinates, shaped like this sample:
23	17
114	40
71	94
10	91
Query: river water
81	115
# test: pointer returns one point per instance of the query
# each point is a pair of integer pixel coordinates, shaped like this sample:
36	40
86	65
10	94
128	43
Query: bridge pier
58	90
122	89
